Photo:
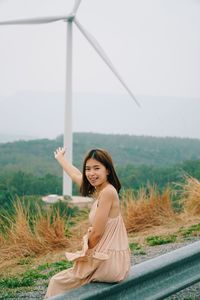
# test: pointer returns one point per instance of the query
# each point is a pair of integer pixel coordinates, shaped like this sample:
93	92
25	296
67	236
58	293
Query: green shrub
30	277
159	240
15	282
193	230
136	249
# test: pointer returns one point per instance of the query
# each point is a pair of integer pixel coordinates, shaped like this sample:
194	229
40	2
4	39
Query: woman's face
95	172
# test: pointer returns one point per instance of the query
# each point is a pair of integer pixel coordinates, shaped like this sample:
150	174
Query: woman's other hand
59	153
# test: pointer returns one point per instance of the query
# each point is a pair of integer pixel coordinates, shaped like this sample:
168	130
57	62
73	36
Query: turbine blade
76	6
39	20
103	55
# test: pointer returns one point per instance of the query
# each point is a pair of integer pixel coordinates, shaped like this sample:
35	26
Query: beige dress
108	261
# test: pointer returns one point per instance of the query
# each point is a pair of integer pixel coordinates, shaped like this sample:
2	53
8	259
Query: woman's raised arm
71	170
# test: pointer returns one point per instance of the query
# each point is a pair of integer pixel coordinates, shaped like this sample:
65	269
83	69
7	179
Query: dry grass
1	240
191	196
42	236
77	233
53	235
147	209
43	233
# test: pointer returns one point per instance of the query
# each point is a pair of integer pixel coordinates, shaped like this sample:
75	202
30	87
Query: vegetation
12	285
147	208
159	240
161	190
191	196
32	230
136	249
193	230
29	168
29	277
36	156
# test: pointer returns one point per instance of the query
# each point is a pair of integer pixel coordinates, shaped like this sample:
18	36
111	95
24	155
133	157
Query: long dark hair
105	159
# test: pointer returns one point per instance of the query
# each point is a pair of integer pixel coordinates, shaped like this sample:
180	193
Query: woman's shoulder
110	191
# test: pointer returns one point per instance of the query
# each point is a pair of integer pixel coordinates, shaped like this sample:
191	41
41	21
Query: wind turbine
70	19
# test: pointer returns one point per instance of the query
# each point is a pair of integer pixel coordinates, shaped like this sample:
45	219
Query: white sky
154	44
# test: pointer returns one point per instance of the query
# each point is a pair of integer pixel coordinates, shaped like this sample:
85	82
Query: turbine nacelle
70	18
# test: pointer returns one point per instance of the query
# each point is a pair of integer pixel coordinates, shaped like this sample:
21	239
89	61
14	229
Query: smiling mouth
93	180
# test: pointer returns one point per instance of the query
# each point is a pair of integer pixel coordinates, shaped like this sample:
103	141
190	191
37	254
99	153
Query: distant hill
36	156
6	138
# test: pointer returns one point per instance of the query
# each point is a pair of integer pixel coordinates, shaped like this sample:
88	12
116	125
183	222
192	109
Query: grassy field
33	238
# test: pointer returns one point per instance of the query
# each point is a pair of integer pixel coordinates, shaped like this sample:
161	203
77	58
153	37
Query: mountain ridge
36	156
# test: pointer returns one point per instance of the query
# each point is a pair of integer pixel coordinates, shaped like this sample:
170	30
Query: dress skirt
108	261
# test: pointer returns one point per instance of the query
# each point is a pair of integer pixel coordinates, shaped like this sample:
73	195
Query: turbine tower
70	19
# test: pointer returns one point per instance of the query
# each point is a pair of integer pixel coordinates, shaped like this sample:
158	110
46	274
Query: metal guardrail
154	279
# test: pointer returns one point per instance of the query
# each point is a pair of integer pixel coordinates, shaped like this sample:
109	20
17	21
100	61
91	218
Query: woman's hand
59	153
71	170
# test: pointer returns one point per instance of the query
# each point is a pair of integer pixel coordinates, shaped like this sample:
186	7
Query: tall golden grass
25	239
28	235
1	240
147	209
191	196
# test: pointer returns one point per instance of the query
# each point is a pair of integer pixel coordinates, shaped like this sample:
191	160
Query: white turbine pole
68	138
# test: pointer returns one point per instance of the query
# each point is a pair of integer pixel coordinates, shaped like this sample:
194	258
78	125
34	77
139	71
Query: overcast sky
154	44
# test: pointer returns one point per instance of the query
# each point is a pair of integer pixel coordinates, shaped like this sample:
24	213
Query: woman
105	255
